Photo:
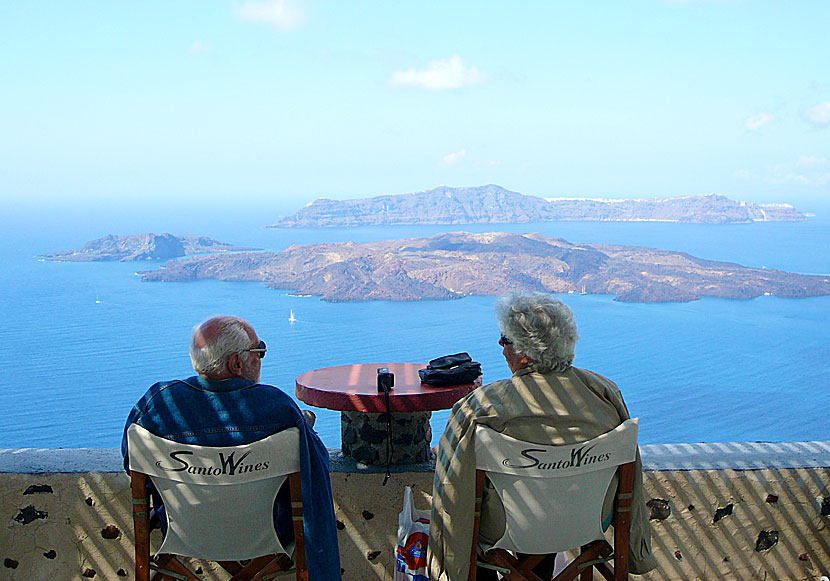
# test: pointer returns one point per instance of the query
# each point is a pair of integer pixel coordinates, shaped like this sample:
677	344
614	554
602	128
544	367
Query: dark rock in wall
30	514
824	509
723	512
38	489
766	540
10	563
110	532
659	509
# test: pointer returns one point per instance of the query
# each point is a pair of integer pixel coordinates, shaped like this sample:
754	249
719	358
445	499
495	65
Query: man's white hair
232	337
540	327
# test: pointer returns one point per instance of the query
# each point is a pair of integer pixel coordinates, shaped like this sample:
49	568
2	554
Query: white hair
540	327
209	356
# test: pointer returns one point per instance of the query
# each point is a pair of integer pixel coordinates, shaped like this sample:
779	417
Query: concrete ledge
736	456
108	460
718	456
720	511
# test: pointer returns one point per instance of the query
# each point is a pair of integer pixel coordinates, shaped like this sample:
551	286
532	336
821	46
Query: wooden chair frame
596	554
167	567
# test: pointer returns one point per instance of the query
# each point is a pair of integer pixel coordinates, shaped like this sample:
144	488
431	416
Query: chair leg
479	492
251	570
587	574
231	567
606	571
295	486
590	552
141	525
622	521
280	563
172	564
517	572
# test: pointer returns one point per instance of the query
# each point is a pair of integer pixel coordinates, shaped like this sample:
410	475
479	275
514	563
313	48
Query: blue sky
276	103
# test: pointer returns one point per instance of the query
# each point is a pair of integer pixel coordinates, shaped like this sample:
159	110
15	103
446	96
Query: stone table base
363	437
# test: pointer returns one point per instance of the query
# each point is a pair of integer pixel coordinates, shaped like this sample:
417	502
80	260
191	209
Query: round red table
352	390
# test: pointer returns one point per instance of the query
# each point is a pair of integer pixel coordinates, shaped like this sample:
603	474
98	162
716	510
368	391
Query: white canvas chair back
552	495
218	500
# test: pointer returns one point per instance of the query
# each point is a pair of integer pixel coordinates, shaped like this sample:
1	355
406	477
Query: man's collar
231	384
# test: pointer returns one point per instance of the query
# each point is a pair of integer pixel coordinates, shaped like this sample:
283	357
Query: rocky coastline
492	204
454	265
138	247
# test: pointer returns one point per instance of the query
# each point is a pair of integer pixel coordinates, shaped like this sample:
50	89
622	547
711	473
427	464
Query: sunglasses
504	341
258	350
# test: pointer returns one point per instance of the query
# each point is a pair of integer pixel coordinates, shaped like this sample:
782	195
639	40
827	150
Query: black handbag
457	369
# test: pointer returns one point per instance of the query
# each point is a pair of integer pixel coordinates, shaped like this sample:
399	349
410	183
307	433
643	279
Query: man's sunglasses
258	350
504	341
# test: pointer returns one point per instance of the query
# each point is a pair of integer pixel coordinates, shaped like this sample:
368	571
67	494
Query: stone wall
709	521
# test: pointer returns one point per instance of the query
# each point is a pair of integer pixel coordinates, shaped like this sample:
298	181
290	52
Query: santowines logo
579	457
223	465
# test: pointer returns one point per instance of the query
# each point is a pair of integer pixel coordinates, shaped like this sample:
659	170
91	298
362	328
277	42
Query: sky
272	104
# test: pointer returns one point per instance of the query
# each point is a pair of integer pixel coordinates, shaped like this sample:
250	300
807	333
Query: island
492	204
142	247
454	265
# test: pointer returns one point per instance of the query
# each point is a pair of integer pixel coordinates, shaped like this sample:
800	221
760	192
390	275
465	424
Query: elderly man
225	405
547	401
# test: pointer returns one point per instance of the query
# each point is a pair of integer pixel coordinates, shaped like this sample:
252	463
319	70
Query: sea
81	342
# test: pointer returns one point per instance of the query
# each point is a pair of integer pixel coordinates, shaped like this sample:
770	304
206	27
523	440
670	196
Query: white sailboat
291	317
583	292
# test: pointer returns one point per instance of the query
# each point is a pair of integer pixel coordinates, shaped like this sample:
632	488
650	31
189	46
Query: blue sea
81	342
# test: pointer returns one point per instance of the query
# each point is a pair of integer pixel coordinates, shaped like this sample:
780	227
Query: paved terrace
720	511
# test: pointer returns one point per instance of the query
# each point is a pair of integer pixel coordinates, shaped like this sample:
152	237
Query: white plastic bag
413	538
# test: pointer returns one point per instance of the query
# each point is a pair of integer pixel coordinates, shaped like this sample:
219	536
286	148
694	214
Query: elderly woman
547	401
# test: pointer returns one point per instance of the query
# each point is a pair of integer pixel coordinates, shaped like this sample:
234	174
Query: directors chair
553	499
218	505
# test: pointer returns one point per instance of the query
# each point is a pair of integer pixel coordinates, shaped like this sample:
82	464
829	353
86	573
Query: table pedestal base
363	437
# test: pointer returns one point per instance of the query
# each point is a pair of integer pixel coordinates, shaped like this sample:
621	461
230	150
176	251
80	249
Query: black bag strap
450	361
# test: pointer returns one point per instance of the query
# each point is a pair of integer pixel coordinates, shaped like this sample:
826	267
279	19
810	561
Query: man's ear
235	365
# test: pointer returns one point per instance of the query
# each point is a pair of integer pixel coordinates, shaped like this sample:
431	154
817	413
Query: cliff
454	265
142	247
496	205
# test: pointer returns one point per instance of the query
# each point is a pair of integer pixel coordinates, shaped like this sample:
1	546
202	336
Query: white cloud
813	161
439	75
758	121
281	14
818	115
808	170
454	158
198	47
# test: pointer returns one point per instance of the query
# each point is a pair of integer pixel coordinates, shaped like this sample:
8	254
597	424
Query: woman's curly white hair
540	327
